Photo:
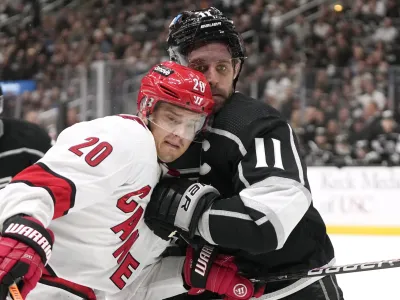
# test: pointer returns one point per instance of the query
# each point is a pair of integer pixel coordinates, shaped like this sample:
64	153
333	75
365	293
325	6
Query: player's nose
212	76
179	133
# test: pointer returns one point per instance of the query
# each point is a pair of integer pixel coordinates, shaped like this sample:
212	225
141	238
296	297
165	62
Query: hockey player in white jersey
74	220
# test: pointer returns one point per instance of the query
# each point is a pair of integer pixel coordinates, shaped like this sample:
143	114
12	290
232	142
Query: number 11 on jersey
261	157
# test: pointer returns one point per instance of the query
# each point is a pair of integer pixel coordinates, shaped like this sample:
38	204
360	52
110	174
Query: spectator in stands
371	95
301	29
275	90
321	28
393	9
344	120
386	32
384	146
372	118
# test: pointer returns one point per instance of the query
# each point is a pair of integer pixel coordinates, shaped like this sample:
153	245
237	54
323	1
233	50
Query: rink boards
358	200
361	207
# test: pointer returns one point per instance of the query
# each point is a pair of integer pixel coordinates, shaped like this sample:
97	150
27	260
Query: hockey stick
351	268
324	271
14	292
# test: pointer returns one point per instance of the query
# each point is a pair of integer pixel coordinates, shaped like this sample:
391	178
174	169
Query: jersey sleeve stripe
61	189
71	287
133	118
31	184
296	156
22	150
204	227
241	176
230	214
230	136
283	201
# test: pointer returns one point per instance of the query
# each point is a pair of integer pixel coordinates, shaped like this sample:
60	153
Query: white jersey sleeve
88	161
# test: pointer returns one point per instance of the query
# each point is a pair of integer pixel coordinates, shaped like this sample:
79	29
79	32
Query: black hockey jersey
251	156
21	145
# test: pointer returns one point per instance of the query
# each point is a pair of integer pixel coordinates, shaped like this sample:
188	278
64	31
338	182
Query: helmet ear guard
144	105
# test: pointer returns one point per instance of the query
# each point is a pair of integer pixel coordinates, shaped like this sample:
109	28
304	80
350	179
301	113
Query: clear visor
182	123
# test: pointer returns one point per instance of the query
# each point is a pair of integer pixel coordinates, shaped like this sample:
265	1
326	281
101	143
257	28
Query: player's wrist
31	232
196	268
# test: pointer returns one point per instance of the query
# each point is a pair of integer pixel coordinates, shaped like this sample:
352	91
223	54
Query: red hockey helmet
177	85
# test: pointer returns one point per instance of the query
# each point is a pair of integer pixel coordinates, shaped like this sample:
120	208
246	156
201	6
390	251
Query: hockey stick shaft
333	270
324	271
14	292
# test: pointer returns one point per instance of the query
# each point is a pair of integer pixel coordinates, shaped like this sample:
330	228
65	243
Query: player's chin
169	153
219	102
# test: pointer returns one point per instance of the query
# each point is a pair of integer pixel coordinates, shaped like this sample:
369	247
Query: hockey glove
206	270
177	205
25	248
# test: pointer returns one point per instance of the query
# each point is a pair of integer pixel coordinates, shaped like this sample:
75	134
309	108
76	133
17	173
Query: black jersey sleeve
37	141
271	191
21	145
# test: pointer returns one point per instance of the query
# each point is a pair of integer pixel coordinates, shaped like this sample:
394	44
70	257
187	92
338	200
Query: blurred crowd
327	70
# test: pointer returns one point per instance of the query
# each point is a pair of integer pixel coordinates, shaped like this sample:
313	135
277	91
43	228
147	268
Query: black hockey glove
176	205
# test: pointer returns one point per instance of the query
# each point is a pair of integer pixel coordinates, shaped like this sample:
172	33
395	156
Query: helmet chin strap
140	115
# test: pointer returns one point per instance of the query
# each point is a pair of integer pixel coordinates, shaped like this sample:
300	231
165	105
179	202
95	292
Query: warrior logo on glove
25	248
30	233
240	290
205	269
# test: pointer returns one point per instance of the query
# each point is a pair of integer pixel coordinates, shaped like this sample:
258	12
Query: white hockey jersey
91	189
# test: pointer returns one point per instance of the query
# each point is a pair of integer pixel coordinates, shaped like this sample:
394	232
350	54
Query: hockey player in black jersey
263	213
21	145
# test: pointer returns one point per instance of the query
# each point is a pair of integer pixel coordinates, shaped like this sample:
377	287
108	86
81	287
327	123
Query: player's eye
199	67
174	120
222	68
171	118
